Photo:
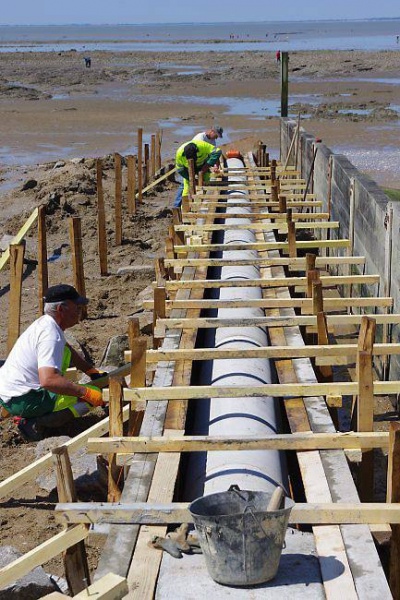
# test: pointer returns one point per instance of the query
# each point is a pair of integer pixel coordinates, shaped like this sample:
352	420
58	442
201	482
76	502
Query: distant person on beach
205	157
397	38
210	135
88	62
278	56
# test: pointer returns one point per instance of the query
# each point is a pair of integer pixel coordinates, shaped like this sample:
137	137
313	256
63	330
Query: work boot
55	419
29	430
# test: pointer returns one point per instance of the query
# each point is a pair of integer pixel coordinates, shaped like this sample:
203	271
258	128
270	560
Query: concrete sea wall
367	217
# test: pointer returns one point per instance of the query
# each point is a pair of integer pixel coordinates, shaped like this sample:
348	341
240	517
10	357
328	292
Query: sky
58	12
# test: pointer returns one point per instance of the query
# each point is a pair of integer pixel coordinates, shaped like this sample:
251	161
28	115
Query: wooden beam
271	352
109	587
274	282
115	473
281	227
42	554
19	236
178	512
301	320
43	273
140	164
75	234
273	389
260	216
296	263
101	220
118	198
304	303
17	253
131	192
297	442
263	246
27	474
75	559
393	495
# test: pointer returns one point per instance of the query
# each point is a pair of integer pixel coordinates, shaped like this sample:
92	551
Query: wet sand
52	107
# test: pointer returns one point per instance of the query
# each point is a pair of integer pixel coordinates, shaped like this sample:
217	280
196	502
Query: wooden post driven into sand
365	403
192	177
17	252
75	559
131	192
116	426
284	83
43	274
158	151
146	164
75	234
153	156
393	495
118	198
101	220
140	164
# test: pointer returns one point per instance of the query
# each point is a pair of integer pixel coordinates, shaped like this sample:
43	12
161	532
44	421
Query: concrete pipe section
251	470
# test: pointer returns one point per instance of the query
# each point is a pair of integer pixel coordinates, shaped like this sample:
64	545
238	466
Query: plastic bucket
241	542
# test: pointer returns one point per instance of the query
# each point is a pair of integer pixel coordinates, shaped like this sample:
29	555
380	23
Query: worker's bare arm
78	361
53	381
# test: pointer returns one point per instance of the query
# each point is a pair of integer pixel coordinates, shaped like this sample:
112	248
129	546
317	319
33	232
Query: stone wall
366	216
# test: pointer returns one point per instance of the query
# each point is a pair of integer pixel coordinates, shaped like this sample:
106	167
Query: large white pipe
251	470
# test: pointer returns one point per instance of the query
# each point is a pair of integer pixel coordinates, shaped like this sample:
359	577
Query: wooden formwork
146	505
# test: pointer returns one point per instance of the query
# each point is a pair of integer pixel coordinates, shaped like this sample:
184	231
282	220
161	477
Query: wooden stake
101	220
317	296
140	164
161	273
138	362
153	156
75	234
273	173
118	199
115	473
282	204
75	558
43	273
365	403
159	312
393	495
284	83
131	200
192	178
146	164
17	252
135	416
158	150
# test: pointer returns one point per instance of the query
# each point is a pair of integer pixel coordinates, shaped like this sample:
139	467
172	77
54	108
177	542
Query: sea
369	34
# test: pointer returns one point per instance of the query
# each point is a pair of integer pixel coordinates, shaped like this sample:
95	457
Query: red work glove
92	395
95	373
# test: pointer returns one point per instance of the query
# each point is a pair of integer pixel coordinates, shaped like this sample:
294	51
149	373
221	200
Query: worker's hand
92	395
205	168
95	373
216	169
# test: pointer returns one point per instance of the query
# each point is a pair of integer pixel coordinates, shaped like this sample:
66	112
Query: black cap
190	150
218	130
63	291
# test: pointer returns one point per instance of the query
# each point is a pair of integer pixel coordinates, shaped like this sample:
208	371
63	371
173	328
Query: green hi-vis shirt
206	154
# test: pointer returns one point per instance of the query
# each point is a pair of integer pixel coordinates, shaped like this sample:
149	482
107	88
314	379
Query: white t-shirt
203	138
41	345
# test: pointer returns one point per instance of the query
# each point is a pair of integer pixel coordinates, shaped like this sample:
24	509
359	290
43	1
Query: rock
114	352
146	322
77	161
147	270
59	164
30	587
84	467
29	185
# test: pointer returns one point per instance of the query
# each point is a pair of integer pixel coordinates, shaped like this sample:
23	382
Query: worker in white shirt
210	135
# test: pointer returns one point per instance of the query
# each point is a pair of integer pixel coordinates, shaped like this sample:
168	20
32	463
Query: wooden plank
342	243
301	320
19	236
304	303
273	389
295	263
298	442
118	198
101	220
139	194
131	191
281	227
297	216
43	274
75	559
17	252
116	428
75	235
34	469
145	513
109	587
157	181
393	495
42	553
